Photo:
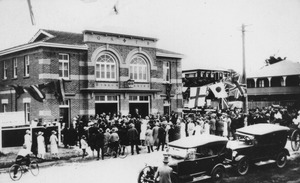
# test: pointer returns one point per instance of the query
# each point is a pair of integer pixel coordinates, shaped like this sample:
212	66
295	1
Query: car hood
237	145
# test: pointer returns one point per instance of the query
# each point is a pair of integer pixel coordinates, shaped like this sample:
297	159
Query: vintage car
256	143
192	158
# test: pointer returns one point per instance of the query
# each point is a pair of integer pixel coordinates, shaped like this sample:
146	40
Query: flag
218	90
19	90
197	96
36	92
236	88
31	12
224	103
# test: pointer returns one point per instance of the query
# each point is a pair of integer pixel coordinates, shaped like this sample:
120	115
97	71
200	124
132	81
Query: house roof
282	68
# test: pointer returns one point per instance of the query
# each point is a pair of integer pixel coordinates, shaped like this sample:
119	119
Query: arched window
106	68
138	69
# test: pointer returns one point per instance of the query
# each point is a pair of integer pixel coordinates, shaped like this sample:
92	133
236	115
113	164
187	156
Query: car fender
286	151
217	165
239	157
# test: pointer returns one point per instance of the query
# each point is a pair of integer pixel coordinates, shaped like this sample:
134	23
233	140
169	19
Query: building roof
53	36
61	39
282	68
262	129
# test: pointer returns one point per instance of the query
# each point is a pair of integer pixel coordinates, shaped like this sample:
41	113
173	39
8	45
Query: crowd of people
106	131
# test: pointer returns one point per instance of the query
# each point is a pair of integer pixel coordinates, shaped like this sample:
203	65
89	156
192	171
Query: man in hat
164	172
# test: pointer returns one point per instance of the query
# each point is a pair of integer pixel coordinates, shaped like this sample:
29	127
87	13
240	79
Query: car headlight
234	153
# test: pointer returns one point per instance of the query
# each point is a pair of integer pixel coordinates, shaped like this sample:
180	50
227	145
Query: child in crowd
84	145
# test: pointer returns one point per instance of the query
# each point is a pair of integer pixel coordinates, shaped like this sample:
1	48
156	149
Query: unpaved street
126	170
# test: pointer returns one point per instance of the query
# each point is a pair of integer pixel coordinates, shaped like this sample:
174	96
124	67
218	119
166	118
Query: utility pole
244	78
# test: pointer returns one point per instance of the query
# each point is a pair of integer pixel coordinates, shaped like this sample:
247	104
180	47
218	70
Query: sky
207	32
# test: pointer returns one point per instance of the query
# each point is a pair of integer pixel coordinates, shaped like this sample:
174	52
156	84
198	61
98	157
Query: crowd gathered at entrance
153	132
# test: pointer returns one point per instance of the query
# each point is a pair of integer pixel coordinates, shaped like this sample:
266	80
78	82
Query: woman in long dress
54	145
41	145
149	139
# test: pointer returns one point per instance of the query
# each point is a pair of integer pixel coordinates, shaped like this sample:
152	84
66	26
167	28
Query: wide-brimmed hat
40	133
54	132
27	131
166	159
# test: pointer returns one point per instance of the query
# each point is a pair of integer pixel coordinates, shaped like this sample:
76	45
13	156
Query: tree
273	60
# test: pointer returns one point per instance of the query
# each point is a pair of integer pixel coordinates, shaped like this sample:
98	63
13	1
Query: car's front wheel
281	160
243	166
217	174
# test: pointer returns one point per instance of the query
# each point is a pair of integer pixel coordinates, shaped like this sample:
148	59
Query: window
106	68
4	70
64	66
138	98
15	68
138	69
106	98
4	107
26	65
261	83
166	72
27	112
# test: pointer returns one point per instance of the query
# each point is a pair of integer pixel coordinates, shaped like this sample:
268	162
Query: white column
255	82
284	81
269	78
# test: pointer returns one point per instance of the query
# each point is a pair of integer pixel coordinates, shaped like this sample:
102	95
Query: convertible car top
262	129
198	140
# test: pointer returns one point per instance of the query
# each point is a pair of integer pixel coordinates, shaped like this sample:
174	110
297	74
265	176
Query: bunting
36	92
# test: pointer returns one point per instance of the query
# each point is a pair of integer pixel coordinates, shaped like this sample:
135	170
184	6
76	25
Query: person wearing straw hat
54	145
163	173
28	140
41	145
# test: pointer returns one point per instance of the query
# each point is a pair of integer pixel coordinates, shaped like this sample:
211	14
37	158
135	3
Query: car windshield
181	153
246	139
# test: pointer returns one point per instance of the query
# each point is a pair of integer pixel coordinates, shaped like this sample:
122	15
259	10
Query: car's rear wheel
243	166
146	175
295	140
217	174
281	160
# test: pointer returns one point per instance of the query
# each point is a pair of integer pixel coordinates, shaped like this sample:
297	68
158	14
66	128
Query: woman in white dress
41	145
28	140
143	129
54	145
182	127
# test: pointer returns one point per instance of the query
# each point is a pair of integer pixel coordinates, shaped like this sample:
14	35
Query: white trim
45	113
26	100
89	112
170	55
48	76
39	33
85	63
45	61
4	101
7	92
45	44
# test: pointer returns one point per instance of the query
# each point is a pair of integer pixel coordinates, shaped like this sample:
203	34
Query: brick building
101	72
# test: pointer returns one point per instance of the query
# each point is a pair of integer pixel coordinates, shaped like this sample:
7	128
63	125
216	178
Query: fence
14	136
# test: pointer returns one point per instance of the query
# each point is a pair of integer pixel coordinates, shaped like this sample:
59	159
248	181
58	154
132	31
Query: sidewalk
8	156
73	154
